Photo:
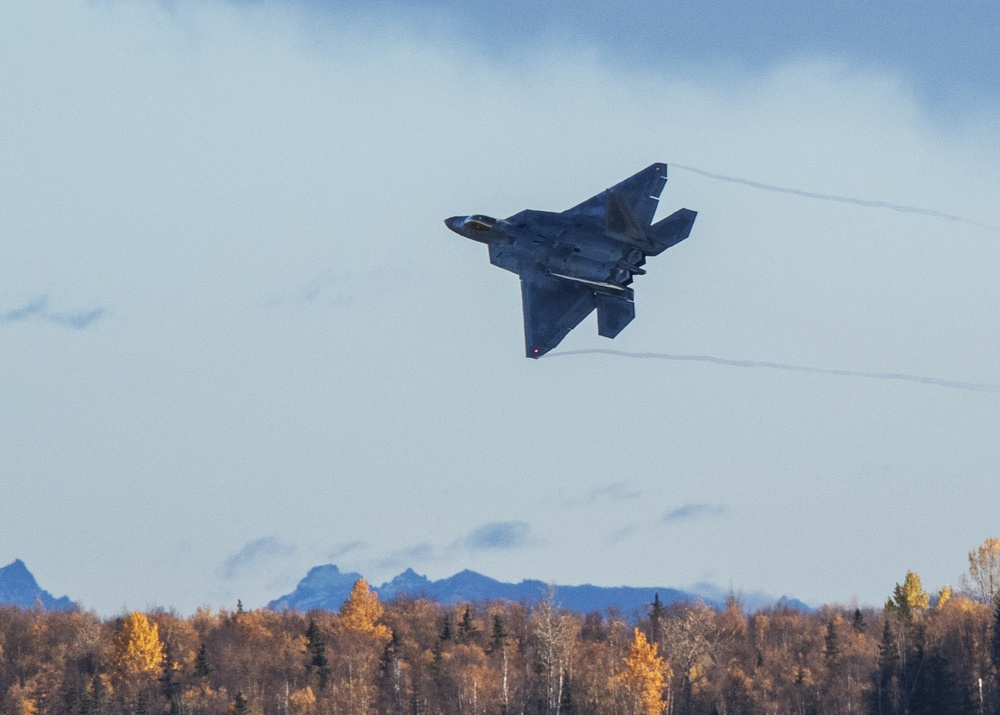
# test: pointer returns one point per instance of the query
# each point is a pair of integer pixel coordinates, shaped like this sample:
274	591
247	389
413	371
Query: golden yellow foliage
24	704
944	595
645	675
302	702
137	647
362	610
910	596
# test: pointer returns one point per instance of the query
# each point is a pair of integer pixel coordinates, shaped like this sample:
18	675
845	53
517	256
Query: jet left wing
641	193
552	307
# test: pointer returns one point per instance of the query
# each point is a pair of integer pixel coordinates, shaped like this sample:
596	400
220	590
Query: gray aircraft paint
580	259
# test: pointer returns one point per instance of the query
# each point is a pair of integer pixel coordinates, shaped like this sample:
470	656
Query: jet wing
640	192
552	307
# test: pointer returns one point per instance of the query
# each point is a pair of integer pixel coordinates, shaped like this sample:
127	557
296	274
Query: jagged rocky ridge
19	588
327	587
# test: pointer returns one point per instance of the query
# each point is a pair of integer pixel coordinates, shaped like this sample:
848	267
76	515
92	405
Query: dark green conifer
240	704
446	634
316	647
499	634
656	615
859	621
466	628
831	649
202	668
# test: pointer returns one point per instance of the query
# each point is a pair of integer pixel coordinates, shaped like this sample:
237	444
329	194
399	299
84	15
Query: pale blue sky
237	340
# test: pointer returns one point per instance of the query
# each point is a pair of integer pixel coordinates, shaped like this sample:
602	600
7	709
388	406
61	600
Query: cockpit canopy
479	222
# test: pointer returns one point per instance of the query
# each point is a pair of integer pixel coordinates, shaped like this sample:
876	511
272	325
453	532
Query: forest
919	653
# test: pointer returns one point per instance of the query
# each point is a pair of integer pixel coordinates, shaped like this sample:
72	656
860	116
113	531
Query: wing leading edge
640	192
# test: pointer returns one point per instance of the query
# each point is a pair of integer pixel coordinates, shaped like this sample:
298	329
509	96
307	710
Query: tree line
920	653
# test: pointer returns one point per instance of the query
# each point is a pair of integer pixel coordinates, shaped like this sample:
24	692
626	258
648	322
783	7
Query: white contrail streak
923	380
841	199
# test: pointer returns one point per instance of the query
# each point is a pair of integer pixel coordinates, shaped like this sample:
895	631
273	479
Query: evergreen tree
859	621
499	634
202	668
446	634
316	647
831	646
240	704
656	616
466	628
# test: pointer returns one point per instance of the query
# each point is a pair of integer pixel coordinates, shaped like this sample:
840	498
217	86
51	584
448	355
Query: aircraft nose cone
455	223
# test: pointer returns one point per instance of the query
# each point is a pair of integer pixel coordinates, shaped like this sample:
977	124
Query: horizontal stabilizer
613	314
671	230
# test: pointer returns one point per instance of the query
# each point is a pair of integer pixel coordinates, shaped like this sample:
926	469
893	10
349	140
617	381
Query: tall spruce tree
656	616
316	646
202	668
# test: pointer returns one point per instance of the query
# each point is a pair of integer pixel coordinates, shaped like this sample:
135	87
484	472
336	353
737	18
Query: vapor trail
842	199
952	384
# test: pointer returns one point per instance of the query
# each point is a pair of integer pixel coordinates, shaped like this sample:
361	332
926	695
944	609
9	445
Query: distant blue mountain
326	587
19	588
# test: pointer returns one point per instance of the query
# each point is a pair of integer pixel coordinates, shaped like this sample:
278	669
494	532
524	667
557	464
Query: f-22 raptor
582	258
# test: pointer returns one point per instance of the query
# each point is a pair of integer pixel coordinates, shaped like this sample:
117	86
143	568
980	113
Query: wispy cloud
614	492
616	537
338	287
254	555
921	379
868	203
38	309
345	549
499	536
689	512
408	556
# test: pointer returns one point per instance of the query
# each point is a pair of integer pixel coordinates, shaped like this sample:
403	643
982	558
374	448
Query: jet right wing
641	193
552	307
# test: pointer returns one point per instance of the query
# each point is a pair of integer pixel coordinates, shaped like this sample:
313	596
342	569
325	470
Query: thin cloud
616	537
899	376
343	287
840	199
345	549
407	557
254	555
614	492
34	308
499	536
689	512
38	309
77	321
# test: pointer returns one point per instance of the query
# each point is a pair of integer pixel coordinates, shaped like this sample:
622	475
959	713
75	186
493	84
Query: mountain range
327	587
19	588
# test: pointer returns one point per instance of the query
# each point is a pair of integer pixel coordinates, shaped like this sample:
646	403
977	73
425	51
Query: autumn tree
983	580
137	648
645	676
362	611
901	653
136	661
360	641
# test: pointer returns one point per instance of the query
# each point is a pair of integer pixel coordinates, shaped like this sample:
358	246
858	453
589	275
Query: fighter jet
582	258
